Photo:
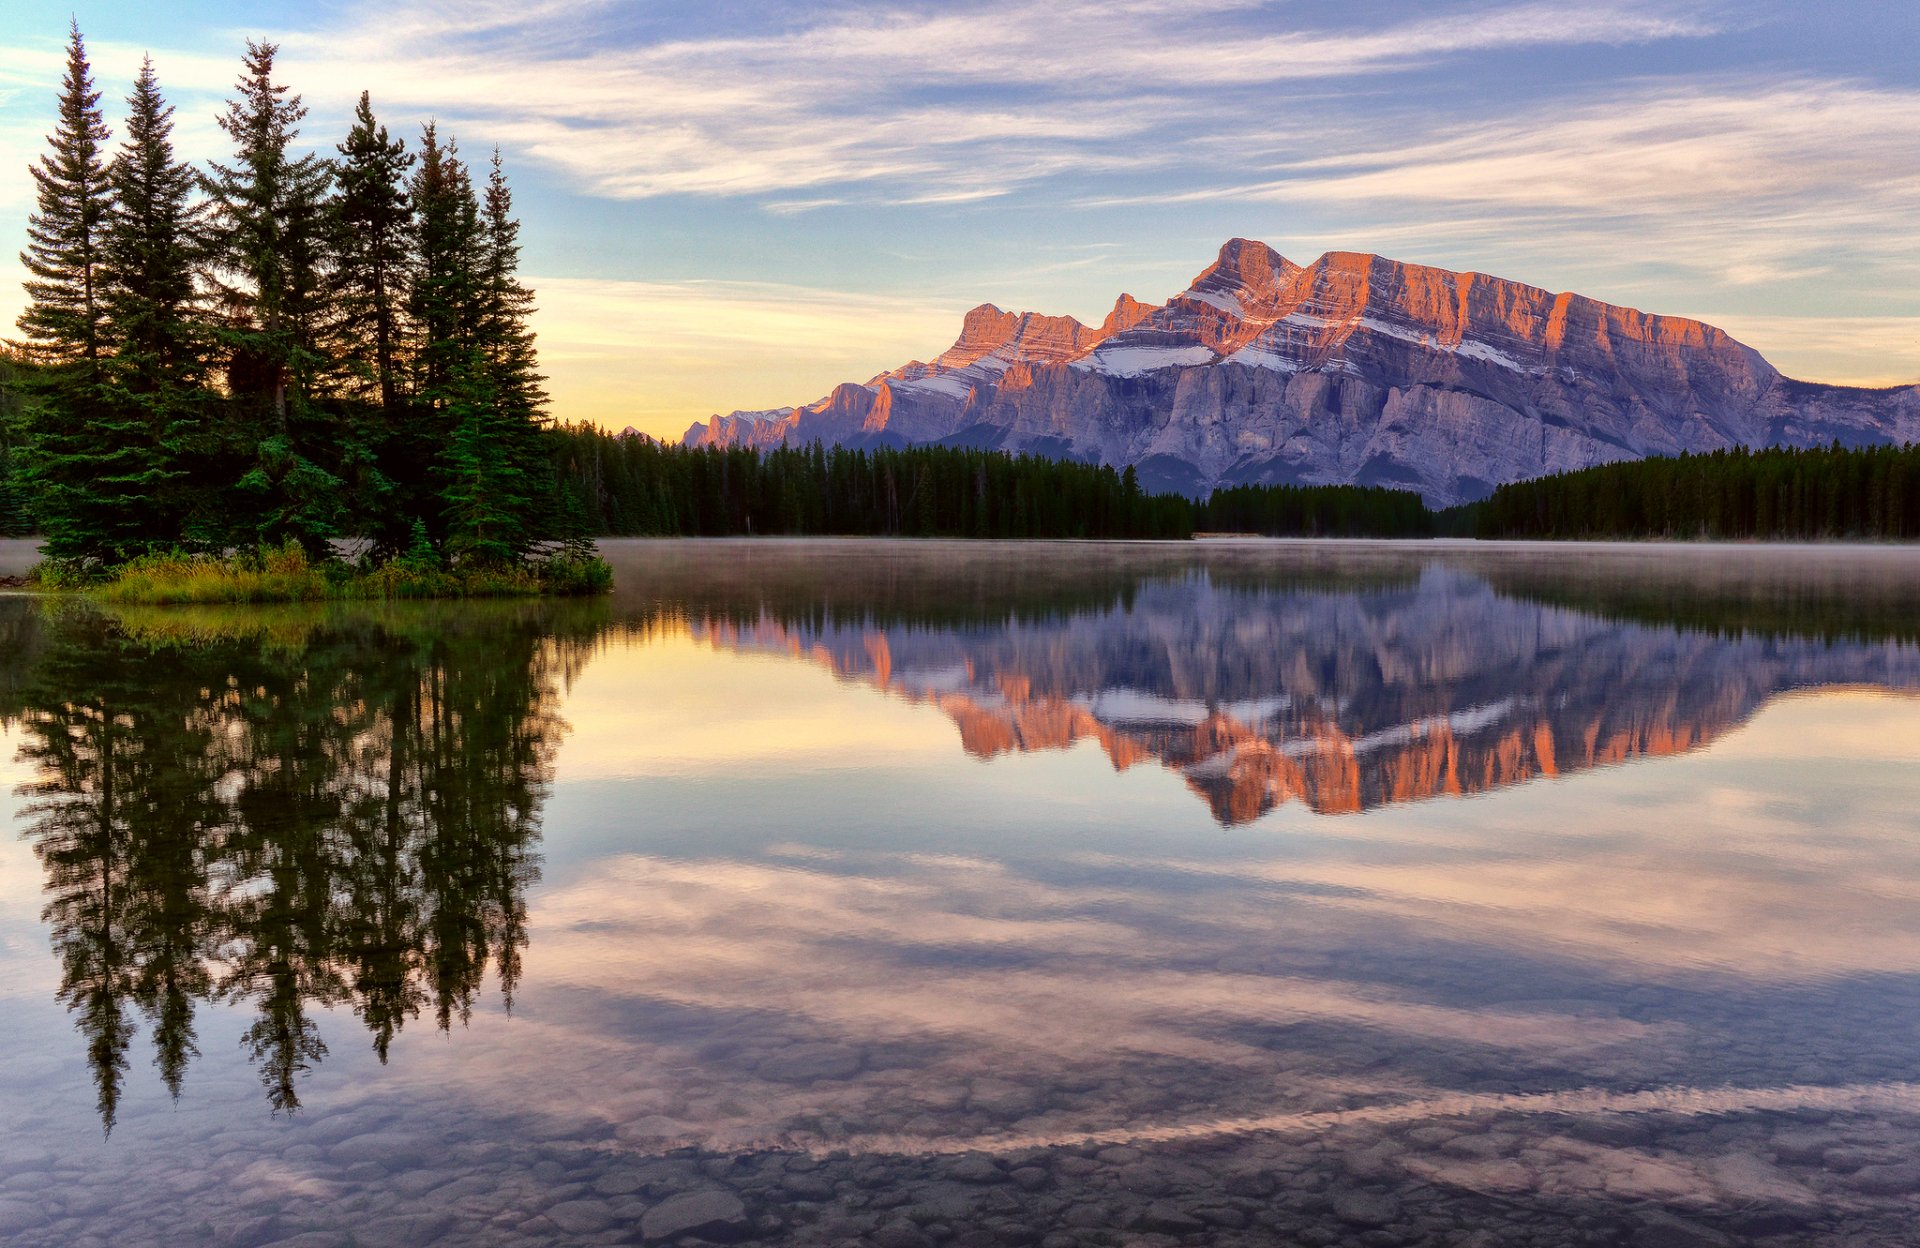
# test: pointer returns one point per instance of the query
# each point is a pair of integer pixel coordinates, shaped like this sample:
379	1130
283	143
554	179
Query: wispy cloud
921	106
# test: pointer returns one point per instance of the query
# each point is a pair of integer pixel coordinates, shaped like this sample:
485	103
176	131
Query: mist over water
901	893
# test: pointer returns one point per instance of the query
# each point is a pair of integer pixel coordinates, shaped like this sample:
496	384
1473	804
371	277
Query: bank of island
231	379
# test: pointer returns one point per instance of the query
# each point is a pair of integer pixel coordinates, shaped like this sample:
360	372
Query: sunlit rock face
1354	368
1340	701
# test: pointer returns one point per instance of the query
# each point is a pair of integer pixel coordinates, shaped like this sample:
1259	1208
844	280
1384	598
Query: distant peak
1245	268
1127	312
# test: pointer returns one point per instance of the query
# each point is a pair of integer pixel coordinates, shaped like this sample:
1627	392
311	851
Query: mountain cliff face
1353	369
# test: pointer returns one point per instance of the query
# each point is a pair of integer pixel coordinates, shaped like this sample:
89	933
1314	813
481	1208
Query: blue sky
738	203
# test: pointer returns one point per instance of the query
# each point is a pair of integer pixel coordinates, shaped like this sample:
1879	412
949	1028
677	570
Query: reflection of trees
341	812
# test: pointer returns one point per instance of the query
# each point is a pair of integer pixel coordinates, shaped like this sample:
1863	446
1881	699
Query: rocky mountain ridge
1352	369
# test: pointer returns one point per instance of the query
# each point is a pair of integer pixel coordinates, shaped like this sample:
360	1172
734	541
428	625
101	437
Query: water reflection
287	810
868	900
1346	691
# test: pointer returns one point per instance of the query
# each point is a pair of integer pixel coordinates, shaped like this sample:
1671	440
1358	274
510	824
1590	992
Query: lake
914	893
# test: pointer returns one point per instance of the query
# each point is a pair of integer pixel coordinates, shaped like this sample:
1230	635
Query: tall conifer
373	216
156	396
64	323
269	268
83	462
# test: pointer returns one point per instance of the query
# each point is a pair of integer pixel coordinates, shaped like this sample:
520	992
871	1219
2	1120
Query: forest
633	486
284	348
1774	494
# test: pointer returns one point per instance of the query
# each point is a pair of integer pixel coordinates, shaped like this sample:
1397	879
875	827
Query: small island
285	376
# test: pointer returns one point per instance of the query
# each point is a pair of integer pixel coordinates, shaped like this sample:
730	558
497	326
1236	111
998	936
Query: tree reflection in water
292	810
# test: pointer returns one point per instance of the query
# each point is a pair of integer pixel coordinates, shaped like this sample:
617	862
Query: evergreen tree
373	221
450	463
16	513
71	453
497	479
156	399
65	322
269	267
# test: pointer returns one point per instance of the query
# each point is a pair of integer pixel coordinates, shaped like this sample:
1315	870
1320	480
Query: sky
739	204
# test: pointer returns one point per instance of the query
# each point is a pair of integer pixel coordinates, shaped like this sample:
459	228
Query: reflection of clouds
965	1000
1701	864
974	995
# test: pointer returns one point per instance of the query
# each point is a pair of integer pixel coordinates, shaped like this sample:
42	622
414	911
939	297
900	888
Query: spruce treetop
62	323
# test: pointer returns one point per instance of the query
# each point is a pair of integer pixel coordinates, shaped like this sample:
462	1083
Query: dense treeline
1315	511
285	347
635	486
1821	493
16	515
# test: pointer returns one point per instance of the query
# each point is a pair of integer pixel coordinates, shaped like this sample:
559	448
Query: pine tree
373	218
68	453
269	261
16	518
498	482
156	398
65	323
447	455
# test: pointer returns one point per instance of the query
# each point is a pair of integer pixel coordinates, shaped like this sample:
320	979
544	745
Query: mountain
1352	369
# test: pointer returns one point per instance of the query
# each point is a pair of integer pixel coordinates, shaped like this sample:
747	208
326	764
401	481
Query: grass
287	574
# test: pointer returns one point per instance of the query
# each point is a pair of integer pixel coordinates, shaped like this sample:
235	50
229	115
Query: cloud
1745	184
947	105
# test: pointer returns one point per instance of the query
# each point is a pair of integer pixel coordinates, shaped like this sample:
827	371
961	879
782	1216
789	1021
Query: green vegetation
1315	511
1825	493
635	486
287	348
286	574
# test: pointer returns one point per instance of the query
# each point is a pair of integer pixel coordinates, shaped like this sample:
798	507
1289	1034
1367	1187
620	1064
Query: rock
1665	1230
1167	1219
389	1150
1030	1178
1614	1130
402	1230
1802	1148
711	1215
581	1217
804	1063
19	1216
1847	1158
1886	1180
901	1235
818	1185
1254	1185
977	1169
1357	1208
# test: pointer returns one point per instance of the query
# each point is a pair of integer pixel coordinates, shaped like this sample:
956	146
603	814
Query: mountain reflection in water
1342	698
863	863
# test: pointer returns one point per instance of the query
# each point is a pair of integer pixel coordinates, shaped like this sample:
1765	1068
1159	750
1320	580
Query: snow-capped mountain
1354	368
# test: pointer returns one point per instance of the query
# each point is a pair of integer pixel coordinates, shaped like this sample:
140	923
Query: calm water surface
973	894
